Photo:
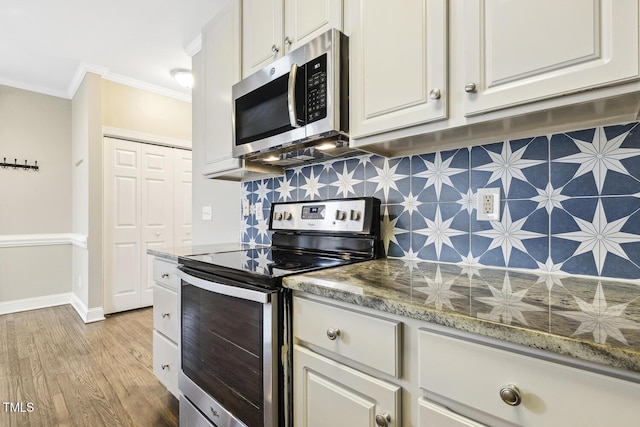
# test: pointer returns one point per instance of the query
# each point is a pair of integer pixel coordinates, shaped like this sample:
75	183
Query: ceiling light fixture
183	77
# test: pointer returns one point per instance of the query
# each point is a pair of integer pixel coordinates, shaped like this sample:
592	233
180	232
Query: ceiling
47	46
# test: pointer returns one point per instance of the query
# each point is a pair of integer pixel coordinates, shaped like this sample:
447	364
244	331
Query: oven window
222	346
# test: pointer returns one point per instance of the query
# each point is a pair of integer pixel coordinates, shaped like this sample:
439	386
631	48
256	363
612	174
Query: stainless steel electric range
235	315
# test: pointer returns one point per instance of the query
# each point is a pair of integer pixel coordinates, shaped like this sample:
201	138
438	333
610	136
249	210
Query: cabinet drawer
165	362
552	394
433	415
165	312
164	273
370	340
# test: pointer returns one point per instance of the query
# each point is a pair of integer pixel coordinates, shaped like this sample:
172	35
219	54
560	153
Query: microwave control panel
317	89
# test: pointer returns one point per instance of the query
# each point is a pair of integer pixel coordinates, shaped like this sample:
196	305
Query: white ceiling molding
82	70
194	47
85	68
34	88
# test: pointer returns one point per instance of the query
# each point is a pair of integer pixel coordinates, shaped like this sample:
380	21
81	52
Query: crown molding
34	88
194	47
85	68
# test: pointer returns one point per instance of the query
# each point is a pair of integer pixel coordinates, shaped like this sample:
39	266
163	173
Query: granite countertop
585	318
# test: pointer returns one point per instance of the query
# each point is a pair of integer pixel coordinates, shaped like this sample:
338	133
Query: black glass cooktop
262	266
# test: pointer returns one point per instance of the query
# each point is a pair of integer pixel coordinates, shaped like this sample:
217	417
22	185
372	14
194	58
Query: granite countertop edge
622	362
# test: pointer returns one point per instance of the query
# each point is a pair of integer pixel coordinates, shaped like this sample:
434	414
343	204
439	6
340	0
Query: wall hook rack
16	165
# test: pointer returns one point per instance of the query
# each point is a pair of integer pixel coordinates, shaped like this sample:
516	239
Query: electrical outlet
488	204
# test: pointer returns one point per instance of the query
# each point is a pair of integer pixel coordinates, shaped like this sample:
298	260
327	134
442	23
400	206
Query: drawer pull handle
165	315
164	275
164	367
333	333
383	420
470	87
510	394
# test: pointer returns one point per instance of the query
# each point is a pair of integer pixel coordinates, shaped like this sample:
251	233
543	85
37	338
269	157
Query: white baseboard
87	315
35	303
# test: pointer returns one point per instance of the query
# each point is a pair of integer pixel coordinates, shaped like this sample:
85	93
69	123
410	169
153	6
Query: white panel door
327	393
307	19
521	51
182	196
122	240
156	213
261	34
398	65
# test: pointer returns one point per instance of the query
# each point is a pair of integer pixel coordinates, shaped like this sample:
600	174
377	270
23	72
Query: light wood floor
76	374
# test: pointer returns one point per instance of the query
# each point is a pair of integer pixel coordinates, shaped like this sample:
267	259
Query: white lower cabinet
440	377
481	379
431	414
328	393
166	324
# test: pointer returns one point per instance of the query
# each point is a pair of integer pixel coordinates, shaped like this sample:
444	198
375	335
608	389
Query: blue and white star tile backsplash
570	202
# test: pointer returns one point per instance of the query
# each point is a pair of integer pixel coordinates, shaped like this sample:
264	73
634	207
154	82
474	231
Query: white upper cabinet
272	28
517	52
398	64
221	49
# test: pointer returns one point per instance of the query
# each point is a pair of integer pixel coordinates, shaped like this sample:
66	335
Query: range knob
355	215
287	216
341	215
277	216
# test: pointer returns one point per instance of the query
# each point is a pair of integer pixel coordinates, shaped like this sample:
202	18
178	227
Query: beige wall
137	110
35	127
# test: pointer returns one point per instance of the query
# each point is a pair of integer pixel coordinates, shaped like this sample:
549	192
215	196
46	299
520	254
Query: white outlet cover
207	213
494	193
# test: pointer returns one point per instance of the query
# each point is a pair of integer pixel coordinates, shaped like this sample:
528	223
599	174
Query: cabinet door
307	19
397	60
262	39
327	393
221	48
518	52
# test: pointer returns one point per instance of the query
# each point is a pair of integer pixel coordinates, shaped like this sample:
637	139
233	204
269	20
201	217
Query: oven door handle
219	288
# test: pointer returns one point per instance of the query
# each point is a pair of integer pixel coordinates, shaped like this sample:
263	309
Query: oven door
228	351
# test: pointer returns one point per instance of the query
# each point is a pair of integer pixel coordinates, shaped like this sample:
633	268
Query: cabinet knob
510	394
470	87
435	93
288	41
333	333
275	49
164	367
383	420
164	275
165	315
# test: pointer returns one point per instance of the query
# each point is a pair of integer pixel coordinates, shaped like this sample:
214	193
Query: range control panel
339	215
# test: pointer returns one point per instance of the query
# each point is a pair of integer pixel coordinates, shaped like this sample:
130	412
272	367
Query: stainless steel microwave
297	104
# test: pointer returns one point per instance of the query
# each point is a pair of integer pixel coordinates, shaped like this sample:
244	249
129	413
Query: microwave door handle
291	96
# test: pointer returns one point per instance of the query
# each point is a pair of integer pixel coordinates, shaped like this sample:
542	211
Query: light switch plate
488	204
246	207
207	213
259	215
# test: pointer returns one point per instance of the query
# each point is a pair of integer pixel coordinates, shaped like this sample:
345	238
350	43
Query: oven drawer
165	312
190	416
164	273
165	362
552	394
370	340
